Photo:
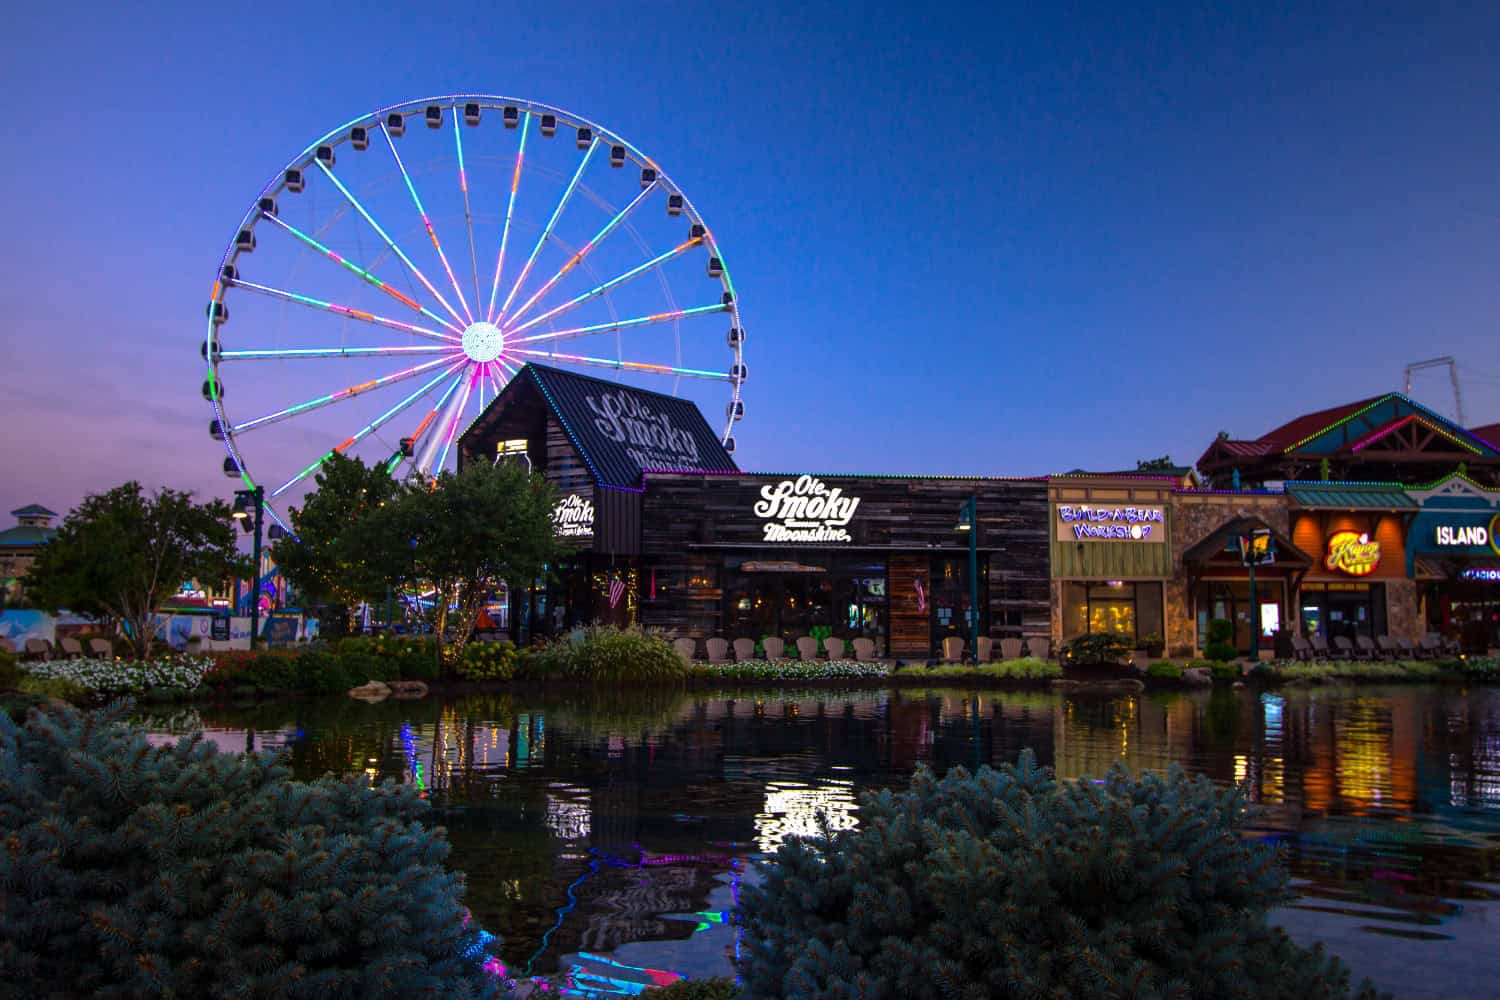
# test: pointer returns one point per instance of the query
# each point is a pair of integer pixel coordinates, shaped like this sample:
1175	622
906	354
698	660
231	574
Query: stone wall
1403	612
1194	517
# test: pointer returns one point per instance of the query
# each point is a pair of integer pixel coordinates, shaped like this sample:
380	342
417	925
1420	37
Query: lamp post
250	505
968	522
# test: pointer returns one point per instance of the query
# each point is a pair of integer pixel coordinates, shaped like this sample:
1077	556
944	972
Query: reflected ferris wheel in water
391	278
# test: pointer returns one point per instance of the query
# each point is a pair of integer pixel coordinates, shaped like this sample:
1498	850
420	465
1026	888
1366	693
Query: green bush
1009	883
610	655
1220	630
1025	668
1098	647
10	673
1164	670
544	661
1226	670
1481	667
405	657
695	989
488	661
360	667
1220	652
324	673
140	870
53	687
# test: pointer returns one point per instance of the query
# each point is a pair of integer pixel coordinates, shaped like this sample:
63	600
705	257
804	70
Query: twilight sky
1002	240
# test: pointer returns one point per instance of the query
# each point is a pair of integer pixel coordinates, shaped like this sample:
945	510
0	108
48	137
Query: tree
121	554
332	557
455	536
1154	464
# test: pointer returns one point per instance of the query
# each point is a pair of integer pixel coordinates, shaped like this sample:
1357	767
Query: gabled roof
1489	433
1309	424
1348	496
33	510
1223	537
619	431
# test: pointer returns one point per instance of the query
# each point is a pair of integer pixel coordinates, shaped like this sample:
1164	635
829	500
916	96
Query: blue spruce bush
128	869
1009	883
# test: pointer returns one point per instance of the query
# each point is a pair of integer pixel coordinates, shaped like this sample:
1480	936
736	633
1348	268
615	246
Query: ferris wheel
391	278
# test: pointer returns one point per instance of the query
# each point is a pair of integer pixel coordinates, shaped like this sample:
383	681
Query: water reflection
588	823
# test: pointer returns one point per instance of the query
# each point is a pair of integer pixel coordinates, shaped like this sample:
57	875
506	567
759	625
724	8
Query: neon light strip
637	366
510	208
365	430
388	241
431	233
401	297
547	232
360	314
353	390
463	185
573	303
424	461
583	251
335	352
622	324
458	413
1413	418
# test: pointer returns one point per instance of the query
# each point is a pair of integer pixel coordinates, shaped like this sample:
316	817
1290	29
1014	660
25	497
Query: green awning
1347	496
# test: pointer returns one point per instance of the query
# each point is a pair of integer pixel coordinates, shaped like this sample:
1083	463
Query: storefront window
951	599
1346	610
818	596
1130	610
1230	600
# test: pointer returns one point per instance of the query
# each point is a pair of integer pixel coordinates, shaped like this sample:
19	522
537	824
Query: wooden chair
953	649
1301	649
864	649
718	649
834	648
71	648
1011	649
685	648
1453	645
99	646
6	646
775	647
984	648
807	648
1039	648
1365	648
1320	648
744	649
38	649
1388	647
1431	646
1408	651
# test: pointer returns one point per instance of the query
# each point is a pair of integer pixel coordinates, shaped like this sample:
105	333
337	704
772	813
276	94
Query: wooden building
668	532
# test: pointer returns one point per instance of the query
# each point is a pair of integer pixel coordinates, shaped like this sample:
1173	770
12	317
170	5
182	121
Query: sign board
805	509
1484	574
1257	548
1111	523
1352	552
279	631
219	628
573	517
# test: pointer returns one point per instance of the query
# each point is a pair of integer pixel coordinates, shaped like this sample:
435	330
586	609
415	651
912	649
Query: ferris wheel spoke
334	397
510	208
399	296
349	196
366	430
633	366
446	422
582	252
463	185
291	353
620	324
599	290
547	230
458	416
334	307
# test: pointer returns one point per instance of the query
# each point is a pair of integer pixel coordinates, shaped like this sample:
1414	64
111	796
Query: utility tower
1452	366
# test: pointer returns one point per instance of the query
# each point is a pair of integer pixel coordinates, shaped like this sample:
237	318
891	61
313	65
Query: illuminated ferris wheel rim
478	341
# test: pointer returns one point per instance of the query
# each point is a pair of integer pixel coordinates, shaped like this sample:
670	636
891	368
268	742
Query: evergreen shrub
695	989
322	672
135	870
605	654
1220	652
1226	670
1097	647
488	661
408	657
1220	630
1009	883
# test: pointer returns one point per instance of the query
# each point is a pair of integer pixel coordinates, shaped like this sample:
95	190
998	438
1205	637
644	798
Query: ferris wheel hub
483	342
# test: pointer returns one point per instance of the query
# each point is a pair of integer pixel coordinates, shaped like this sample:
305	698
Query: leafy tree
1164	463
121	554
333	558
454	536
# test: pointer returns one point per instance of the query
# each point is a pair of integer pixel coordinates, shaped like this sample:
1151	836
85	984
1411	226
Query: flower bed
790	670
103	676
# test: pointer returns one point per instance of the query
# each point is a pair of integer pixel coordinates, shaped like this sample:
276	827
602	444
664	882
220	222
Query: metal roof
1348	496
26	535
33	510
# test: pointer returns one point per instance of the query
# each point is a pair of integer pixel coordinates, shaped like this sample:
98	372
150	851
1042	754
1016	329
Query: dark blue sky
1001	239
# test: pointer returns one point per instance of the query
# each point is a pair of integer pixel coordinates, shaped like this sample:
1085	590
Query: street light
249	510
968	523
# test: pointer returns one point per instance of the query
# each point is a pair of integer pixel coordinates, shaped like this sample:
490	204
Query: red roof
1489	433
1309	424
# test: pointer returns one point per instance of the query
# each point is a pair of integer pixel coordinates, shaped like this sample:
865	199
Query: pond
609	831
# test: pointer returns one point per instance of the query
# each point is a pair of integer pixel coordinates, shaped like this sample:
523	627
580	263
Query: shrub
177	870
1024	668
53	687
543	661
1485	667
791	670
1220	652
10	674
488	661
1220	630
1098	647
360	667
324	673
261	669
405	657
1010	883
610	655
1164	670
1226	670
124	676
